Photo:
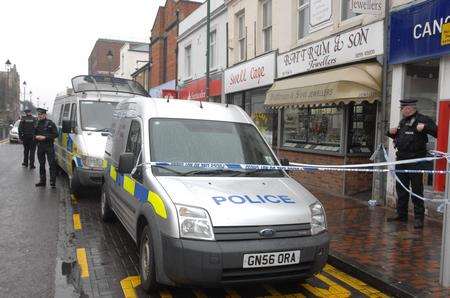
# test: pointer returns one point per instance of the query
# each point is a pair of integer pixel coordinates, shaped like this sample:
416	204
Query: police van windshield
187	140
96	115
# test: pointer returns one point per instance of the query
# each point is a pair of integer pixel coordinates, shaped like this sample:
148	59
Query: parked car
205	226
14	133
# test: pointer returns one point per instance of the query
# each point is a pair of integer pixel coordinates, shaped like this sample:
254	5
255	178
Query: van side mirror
284	162
126	163
67	126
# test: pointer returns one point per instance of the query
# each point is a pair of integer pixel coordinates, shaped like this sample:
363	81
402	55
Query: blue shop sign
416	31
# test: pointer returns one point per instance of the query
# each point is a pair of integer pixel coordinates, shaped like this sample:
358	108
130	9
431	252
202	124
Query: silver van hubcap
145	259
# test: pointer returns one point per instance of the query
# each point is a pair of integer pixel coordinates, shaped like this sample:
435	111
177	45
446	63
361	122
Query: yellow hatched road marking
82	262
199	293
76	221
334	290
128	284
165	294
353	282
231	293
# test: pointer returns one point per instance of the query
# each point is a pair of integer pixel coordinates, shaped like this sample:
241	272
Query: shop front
164	90
420	58
196	90
246	85
327	105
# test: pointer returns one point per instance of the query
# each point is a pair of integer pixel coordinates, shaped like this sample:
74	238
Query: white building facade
192	47
132	57
319	100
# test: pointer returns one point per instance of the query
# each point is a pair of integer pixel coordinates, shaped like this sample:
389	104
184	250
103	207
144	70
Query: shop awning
356	83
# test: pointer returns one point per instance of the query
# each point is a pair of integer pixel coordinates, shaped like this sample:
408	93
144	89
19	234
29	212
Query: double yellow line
81	252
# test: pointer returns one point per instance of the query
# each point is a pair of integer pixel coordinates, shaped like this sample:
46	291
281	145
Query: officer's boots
40	184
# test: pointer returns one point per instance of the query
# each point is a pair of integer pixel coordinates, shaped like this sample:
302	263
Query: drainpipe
208	41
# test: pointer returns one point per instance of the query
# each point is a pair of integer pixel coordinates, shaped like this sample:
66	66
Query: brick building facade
98	59
9	96
163	42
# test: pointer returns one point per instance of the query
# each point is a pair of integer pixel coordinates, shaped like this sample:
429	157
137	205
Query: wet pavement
394	253
28	229
55	245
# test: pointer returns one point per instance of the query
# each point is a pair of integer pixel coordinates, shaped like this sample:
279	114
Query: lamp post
110	57
6	92
31	94
24	89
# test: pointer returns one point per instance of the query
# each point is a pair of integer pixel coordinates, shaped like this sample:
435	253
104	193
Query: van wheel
75	183
105	210
147	262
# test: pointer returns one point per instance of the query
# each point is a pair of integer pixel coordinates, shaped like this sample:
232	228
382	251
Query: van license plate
271	259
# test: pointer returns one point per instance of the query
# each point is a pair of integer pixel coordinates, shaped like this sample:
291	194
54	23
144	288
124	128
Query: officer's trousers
29	150
415	181
46	150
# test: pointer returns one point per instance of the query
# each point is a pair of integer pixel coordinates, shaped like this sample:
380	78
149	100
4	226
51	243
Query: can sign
375	7
445	36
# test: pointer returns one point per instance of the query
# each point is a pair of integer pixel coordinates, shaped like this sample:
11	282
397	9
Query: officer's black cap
41	111
408	102
27	110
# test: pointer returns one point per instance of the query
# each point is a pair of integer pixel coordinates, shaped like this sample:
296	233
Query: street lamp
24	88
7	65
31	94
110	57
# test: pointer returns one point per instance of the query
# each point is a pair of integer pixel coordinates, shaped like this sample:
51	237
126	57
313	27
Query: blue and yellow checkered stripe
137	190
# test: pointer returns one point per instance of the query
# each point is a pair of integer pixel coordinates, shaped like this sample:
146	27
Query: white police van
83	117
207	226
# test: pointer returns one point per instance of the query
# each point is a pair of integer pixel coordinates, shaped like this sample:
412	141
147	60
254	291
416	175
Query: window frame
64	115
302	8
347	11
342	132
138	175
241	36
188	59
213	49
267	24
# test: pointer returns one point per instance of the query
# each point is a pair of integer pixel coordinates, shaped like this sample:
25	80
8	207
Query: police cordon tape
372	167
397	179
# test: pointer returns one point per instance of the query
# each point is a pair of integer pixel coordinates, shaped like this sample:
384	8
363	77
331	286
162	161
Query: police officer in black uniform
27	127
46	132
410	140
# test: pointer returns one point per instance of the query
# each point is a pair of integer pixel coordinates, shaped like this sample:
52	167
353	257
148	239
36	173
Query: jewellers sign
375	7
359	44
255	73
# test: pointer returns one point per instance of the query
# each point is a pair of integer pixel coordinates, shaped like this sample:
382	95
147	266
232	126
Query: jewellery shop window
313	128
361	130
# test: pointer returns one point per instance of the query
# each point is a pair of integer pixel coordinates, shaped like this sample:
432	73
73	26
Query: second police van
83	117
207	226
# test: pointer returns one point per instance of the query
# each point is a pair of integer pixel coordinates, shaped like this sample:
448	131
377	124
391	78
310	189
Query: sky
50	40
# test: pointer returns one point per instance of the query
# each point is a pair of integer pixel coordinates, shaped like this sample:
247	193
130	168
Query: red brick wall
98	60
332	182
165	27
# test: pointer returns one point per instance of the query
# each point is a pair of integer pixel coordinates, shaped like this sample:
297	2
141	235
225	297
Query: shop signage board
375	7
359	44
252	74
445	38
418	32
320	14
196	90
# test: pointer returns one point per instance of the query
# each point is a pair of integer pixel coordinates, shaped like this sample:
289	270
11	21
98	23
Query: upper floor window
346	10
213	49
267	24
303	18
188	56
241	36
